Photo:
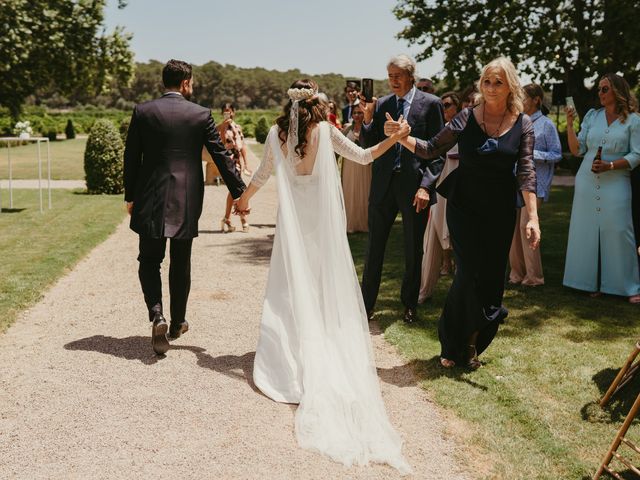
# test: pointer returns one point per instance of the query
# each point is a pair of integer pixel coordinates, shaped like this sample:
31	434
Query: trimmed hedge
262	130
103	159
69	131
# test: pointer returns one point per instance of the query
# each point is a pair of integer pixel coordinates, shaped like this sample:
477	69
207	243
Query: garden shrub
103	159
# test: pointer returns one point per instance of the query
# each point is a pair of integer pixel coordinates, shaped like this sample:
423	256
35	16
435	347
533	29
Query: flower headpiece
298	94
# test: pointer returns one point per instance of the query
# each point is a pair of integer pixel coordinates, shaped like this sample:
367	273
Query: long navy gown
483	194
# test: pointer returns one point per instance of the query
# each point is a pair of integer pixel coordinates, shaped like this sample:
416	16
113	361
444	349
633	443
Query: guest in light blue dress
526	264
601	253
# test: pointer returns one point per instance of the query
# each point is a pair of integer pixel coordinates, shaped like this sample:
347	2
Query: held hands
396	129
241	206
533	233
129	208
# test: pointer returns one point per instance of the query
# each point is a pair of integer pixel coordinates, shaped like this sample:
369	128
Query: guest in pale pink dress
437	259
356	179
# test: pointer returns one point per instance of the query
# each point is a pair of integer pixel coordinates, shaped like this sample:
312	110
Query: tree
572	41
60	46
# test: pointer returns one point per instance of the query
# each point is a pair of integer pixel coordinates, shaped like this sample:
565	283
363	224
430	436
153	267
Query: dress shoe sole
177	334
159	340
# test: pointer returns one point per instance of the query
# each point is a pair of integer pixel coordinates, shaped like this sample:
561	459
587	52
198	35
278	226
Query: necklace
495	135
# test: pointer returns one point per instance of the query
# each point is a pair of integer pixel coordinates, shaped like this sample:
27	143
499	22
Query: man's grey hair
405	62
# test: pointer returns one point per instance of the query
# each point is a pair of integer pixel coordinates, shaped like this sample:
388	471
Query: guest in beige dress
356	179
437	259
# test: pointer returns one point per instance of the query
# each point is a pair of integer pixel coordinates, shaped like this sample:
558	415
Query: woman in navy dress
496	173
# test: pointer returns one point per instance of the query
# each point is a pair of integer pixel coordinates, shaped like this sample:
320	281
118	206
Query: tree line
57	53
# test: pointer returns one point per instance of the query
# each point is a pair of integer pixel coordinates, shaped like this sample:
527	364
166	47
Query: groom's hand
129	208
241	206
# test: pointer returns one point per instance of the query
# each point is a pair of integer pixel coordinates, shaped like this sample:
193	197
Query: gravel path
83	396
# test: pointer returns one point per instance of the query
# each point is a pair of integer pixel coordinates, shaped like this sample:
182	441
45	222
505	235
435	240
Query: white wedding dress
314	347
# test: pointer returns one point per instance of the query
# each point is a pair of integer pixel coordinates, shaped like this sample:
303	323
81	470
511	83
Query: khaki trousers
526	264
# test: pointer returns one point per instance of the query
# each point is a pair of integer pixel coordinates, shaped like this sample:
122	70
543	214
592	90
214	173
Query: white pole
40	175
10	175
49	171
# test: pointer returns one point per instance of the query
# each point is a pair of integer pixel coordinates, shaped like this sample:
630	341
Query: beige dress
436	236
356	184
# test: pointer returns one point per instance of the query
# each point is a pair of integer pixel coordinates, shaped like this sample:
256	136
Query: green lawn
529	412
37	248
67	160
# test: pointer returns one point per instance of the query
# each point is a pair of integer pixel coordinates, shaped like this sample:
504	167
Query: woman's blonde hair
625	101
516	96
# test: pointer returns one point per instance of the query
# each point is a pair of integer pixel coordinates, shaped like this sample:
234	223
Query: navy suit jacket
163	166
426	118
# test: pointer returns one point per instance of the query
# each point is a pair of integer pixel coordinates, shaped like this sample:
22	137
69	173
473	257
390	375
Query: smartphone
367	89
570	103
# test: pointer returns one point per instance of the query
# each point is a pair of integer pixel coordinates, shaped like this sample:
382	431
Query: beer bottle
597	157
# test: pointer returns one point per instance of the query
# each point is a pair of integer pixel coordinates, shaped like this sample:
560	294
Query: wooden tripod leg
621	375
618	438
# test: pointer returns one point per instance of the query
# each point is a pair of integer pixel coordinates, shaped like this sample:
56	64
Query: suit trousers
151	255
381	219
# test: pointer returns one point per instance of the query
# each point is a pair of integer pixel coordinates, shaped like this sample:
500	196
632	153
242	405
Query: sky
354	38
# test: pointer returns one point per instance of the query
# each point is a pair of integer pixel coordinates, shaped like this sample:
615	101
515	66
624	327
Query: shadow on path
239	367
408	374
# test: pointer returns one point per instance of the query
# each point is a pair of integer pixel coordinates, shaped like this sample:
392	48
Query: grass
38	248
531	408
67	160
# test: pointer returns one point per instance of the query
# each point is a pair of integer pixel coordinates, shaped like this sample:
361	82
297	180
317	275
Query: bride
314	347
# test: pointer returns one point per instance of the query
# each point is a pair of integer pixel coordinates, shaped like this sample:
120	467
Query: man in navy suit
400	181
164	190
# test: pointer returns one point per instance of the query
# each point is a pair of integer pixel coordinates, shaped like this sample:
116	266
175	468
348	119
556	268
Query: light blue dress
601	214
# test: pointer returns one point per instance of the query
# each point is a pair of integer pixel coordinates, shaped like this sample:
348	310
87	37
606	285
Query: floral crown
297	94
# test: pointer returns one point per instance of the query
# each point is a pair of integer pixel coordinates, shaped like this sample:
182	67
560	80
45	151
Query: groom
164	189
400	181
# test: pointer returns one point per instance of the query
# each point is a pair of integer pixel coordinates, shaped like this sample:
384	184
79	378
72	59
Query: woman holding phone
601	251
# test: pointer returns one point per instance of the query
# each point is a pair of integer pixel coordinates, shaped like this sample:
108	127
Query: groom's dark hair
174	72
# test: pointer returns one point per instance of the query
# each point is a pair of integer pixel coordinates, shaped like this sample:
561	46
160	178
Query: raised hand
391	126
368	108
571	116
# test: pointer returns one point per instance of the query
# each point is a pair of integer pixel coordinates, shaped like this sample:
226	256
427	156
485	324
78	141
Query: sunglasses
423	89
604	89
447	104
357	113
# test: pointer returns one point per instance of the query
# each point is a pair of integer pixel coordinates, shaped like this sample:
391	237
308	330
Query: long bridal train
314	347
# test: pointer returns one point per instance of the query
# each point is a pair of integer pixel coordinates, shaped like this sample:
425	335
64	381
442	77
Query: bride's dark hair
310	112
